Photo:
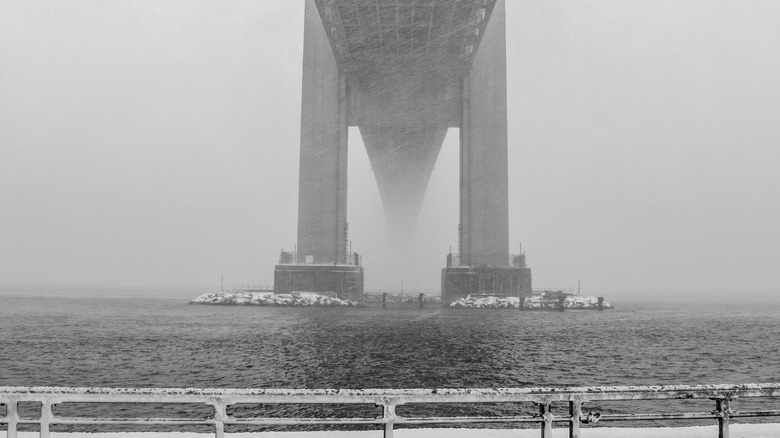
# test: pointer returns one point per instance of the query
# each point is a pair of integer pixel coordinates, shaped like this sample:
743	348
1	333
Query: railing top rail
220	399
420	395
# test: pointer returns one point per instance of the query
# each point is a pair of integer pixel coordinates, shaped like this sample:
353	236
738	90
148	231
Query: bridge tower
404	72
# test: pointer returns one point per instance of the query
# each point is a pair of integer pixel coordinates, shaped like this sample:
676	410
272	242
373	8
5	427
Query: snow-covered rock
487	302
534	302
270	299
584	302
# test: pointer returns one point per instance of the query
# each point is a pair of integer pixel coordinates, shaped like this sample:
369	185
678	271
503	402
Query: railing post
546	413
389	417
46	416
724	414
575	412
13	417
220	415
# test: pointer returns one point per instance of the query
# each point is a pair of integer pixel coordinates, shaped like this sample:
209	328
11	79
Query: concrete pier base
459	281
341	281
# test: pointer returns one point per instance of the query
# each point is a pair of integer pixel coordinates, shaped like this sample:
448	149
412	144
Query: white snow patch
271	299
532	302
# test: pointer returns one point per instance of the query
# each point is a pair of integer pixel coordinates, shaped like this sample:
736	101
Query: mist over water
155	144
160	342
167	343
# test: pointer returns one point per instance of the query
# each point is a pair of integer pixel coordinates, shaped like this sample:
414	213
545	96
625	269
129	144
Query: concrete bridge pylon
404	72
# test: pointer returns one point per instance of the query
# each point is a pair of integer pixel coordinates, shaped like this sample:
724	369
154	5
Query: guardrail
253	287
388	399
516	260
565	290
293	258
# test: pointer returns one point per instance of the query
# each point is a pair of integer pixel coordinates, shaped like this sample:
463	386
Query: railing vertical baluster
220	415
575	412
545	409
46	416
724	413
389	417
13	417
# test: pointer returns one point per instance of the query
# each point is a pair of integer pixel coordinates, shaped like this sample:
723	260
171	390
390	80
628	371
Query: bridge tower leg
322	196
484	211
484	199
322	192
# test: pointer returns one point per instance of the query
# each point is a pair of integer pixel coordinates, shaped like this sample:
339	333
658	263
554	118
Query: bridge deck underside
368	34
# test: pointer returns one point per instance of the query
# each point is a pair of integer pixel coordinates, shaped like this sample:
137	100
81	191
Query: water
168	343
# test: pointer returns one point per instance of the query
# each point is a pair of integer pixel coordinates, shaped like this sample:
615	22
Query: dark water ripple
167	343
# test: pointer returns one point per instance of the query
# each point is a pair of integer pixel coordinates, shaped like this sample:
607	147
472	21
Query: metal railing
253	287
516	260
388	399
353	258
453	260
542	290
293	258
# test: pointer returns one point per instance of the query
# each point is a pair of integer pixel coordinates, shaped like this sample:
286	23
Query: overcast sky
155	144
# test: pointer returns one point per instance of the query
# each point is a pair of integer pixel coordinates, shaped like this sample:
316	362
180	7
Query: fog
154	145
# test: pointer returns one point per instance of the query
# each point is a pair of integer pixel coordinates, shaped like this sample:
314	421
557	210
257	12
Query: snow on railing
388	399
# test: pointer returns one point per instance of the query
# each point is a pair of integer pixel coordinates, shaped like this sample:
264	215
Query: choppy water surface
168	343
